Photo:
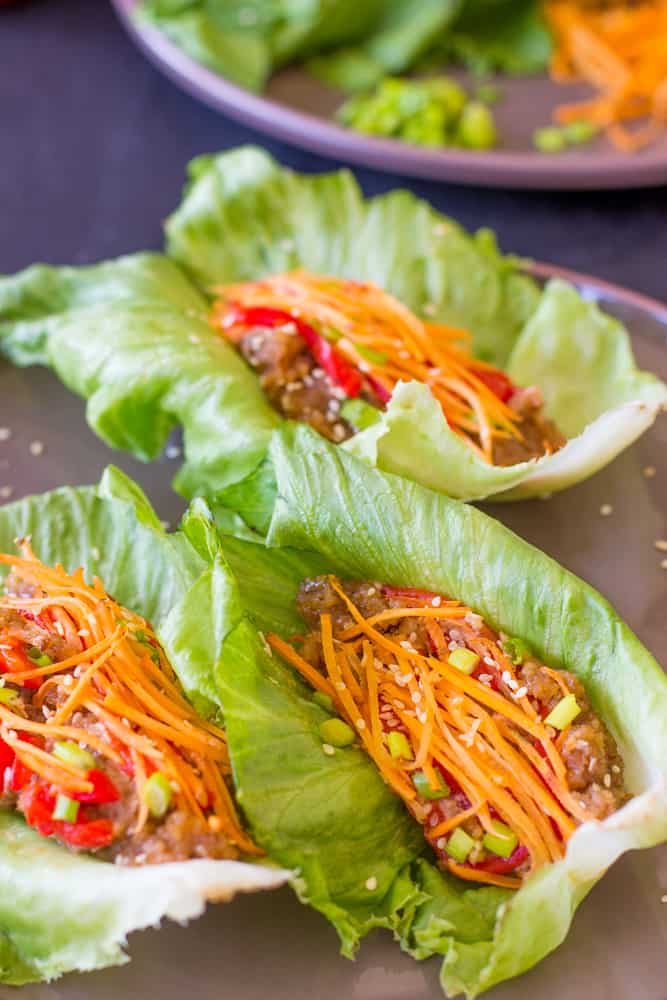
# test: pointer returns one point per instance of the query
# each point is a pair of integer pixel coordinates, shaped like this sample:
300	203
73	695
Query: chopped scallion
157	794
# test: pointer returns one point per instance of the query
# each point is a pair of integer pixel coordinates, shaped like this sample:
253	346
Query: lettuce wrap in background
132	336
352	46
61	911
362	860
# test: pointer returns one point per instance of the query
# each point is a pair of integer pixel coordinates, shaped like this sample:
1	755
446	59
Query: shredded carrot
386	343
621	51
117	671
483	741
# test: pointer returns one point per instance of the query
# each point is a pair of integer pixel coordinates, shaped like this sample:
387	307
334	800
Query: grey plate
271	946
298	109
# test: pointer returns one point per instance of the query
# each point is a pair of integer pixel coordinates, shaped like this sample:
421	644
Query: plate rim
298	128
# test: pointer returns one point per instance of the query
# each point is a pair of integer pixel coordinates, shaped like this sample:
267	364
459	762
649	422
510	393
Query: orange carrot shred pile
621	51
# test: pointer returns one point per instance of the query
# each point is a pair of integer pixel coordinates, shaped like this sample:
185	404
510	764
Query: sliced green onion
376	357
8	695
423	787
39	658
579	132
359	413
72	753
515	649
476	128
157	794
463	659
337	733
459	845
564	713
399	747
549	139
66	809
323	700
502	842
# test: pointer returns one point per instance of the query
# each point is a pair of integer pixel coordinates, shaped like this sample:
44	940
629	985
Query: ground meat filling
300	390
593	764
176	836
539	435
293	383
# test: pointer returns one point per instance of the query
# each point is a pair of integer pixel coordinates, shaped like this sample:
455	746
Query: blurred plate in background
298	109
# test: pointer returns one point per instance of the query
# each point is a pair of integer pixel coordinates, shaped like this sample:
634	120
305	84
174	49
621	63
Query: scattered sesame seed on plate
371	883
606	510
663	564
36	448
5	433
663	899
328	749
649	471
6	492
661	544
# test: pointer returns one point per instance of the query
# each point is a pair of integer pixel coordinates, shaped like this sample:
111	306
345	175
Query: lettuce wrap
132	335
351	46
361	859
63	911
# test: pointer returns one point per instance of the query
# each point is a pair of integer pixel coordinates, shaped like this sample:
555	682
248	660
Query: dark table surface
94	142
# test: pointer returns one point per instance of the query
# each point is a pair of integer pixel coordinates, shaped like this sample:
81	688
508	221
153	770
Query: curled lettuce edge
61	911
341	513
131	335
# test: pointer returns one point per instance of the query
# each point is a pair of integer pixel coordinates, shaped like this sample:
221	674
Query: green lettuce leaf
246	40
320	813
62	911
131	336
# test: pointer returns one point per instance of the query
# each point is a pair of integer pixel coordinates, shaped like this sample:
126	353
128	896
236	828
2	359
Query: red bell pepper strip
37	803
499	383
7	758
341	372
103	791
501	866
14	659
410	594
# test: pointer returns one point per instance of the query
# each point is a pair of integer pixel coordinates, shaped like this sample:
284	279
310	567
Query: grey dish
298	110
270	945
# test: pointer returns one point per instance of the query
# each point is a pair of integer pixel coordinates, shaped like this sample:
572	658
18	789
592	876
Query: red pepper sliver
103	791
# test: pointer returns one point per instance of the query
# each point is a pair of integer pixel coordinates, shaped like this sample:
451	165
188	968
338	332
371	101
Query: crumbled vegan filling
498	756
322	346
98	747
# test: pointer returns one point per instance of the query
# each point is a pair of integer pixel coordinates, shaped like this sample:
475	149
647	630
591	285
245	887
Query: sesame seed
663	564
173	451
440	229
607	781
59	629
215	824
6	492
661	544
436	601
441	843
615	768
398	703
592	762
95	552
513	685
5	433
506	676
606	510
361	724
422	716
648	471
340	686
521	693
83	632
165	525
371	883
328	749
416	697
663	899
36	448
68	680
485	678
490	662
371	592
433	819
406	645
